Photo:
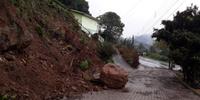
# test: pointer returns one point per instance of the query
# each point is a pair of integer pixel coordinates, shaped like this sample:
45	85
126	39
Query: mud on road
147	84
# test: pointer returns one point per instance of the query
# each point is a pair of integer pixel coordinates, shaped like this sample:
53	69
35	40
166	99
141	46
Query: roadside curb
186	85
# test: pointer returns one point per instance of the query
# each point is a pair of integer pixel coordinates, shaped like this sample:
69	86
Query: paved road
146	83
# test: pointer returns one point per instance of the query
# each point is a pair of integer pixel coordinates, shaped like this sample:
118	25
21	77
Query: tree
182	35
128	42
80	5
112	24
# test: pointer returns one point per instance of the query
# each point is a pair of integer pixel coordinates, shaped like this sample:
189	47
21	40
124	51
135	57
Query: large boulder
113	76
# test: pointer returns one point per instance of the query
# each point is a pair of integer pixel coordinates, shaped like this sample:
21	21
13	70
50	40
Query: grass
157	56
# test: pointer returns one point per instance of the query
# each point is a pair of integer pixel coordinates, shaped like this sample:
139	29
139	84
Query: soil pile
41	48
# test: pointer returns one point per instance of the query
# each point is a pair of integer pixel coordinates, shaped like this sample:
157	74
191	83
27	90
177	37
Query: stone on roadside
113	76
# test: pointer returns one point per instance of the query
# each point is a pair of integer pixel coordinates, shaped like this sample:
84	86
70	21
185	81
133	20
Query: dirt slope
41	48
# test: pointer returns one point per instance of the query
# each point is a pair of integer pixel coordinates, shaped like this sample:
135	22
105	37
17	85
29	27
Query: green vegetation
40	31
127	50
14	2
84	65
130	55
113	26
129	42
157	56
158	51
84	39
7	97
106	51
182	36
80	5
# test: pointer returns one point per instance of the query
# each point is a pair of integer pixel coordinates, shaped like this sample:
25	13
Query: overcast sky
140	16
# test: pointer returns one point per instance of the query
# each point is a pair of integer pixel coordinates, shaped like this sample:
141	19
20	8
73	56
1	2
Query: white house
88	23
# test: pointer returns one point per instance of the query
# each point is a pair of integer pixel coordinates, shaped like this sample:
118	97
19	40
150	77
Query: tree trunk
170	65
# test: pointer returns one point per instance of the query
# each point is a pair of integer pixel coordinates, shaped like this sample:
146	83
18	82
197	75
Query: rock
87	77
113	76
9	57
96	76
74	88
96	79
14	38
1	59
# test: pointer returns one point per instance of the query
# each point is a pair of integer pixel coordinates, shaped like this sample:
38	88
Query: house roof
84	14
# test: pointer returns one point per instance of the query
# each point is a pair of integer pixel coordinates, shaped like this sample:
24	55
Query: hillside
145	39
41	48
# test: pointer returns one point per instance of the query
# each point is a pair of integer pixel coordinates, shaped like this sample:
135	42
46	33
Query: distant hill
145	39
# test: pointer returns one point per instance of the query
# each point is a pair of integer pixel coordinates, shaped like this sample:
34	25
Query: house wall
78	17
90	24
87	23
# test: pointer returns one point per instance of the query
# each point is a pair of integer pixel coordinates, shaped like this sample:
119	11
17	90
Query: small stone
85	86
24	61
96	75
9	57
1	59
82	82
74	88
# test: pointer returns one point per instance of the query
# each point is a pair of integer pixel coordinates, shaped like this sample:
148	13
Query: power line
134	7
162	15
160	18
160	7
175	10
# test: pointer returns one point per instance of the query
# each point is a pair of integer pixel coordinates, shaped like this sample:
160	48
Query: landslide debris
41	50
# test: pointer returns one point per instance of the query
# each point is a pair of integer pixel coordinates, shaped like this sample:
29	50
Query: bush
14	2
7	97
84	39
130	55
40	31
106	51
128	42
84	65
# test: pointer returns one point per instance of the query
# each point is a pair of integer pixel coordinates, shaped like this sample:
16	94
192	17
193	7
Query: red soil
48	68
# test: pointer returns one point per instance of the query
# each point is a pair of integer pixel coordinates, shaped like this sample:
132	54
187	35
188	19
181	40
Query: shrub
105	51
130	55
84	65
7	97
40	31
128	42
84	39
14	2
